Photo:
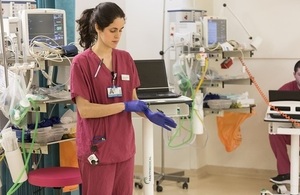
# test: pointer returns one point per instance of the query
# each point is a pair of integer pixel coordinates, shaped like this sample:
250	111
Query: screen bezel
283	95
24	23
205	27
159	82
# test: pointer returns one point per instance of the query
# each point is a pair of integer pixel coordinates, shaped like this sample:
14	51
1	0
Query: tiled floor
215	185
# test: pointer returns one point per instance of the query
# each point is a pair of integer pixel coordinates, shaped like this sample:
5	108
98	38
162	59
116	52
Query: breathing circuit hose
191	135
27	158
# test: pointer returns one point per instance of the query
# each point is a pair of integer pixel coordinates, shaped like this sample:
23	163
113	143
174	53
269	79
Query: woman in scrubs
103	86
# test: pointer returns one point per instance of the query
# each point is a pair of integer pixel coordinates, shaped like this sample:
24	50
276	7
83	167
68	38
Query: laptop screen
276	95
152	74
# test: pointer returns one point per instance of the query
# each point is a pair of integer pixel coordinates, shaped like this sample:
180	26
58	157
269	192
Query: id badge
114	92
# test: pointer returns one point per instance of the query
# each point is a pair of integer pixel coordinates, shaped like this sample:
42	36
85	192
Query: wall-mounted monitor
214	30
43	25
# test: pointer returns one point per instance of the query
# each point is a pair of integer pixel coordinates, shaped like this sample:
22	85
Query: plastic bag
185	75
229	129
13	101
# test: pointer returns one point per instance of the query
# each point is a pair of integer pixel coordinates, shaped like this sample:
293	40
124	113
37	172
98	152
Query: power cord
294	122
47	47
47	52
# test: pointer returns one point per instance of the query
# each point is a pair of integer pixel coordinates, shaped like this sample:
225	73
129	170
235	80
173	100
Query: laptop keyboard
157	95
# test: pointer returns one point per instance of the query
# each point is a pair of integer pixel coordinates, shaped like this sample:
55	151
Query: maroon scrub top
290	86
117	129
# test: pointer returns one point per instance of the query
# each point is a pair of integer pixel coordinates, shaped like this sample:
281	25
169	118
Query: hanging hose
189	139
204	70
194	115
27	158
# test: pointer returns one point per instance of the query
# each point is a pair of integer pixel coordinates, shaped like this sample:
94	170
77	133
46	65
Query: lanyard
113	73
114	76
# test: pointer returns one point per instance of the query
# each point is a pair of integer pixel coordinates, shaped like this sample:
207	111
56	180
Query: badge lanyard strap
114	76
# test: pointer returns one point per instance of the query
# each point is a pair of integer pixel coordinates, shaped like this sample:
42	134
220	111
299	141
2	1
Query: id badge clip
114	91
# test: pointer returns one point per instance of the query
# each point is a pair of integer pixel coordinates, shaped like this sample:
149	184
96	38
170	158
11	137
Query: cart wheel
159	188
274	187
279	191
138	185
185	185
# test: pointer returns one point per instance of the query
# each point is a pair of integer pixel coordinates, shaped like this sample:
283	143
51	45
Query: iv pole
162	52
162	170
162	173
177	176
3	47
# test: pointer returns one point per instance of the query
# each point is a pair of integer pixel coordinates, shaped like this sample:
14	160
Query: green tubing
25	168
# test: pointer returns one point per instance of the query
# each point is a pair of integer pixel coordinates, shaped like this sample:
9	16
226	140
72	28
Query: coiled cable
294	122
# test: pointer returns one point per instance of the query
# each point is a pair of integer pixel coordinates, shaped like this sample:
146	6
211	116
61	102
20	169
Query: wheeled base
278	188
177	176
138	182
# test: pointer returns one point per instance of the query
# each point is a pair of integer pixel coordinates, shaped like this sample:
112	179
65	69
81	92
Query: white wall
275	21
271	66
144	28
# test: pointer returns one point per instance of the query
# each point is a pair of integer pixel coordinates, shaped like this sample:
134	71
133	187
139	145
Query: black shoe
281	179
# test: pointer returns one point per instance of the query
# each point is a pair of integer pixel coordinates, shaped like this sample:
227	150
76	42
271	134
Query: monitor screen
214	30
43	25
282	95
152	74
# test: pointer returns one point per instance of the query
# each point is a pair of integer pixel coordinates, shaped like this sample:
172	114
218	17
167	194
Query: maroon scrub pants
107	179
279	146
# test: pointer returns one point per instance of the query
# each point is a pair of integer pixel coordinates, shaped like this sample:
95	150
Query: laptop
154	81
281	95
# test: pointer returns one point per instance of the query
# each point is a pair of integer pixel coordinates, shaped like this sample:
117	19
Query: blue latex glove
160	119
135	106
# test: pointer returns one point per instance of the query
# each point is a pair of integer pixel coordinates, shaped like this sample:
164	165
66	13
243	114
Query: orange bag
229	129
68	158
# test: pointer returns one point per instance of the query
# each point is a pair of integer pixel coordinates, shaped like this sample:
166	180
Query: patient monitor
43	25
214	30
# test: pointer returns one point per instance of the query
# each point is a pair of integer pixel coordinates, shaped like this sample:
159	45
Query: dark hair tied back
103	15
